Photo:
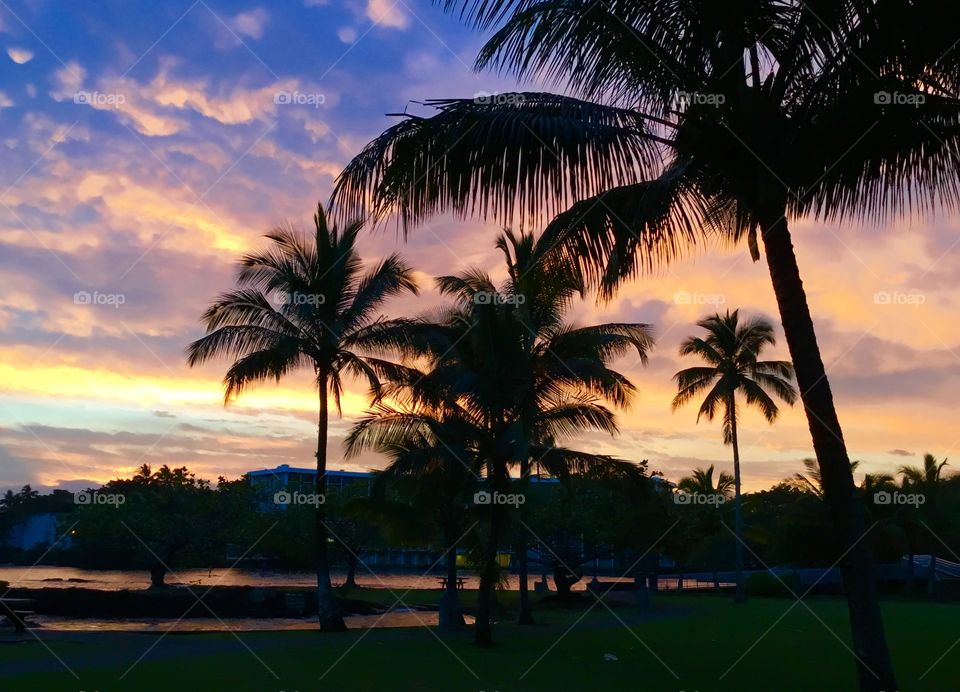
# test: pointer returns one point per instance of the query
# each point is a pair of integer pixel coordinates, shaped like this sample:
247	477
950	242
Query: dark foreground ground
688	642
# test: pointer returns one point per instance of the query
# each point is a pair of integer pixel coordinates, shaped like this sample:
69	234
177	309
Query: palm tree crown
926	476
324	312
731	350
513	364
701	482
673	112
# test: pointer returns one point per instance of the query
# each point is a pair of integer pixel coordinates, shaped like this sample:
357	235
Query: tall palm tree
731	350
306	301
504	355
545	357
686	119
537	273
926	480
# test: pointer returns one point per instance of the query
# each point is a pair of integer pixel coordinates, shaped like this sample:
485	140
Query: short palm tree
434	447
701	482
680	119
305	301
731	350
811	481
926	480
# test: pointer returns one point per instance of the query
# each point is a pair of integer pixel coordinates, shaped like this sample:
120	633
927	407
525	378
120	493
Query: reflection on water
397	618
117	580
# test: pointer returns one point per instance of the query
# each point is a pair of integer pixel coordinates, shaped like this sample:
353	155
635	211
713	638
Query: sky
147	145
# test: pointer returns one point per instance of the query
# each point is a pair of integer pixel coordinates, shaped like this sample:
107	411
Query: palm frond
623	230
517	158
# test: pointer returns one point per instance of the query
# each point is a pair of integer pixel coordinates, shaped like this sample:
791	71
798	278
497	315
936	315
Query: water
42	576
397	618
45	576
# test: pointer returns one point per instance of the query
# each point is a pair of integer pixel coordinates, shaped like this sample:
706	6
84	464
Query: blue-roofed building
285	477
283	484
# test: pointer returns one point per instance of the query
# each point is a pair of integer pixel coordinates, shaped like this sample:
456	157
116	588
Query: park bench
14	609
461	581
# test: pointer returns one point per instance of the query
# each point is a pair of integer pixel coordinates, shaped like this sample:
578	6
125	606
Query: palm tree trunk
451	615
526	613
874	666
328	611
483	631
740	595
158	573
351	581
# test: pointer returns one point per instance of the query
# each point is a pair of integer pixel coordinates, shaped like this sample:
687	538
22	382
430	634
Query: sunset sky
146	147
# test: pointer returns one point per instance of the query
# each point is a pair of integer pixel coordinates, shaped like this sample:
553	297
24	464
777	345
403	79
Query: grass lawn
692	642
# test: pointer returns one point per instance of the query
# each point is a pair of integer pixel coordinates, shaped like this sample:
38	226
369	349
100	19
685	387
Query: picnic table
461	581
15	609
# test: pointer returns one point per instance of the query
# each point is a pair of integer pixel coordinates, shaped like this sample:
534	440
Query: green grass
699	637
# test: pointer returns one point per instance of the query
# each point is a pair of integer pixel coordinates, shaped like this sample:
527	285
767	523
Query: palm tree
521	376
325	316
731	350
537	273
811	481
684	120
431	446
926	480
701	483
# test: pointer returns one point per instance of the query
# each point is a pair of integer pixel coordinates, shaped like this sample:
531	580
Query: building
294	479
278	487
303	480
